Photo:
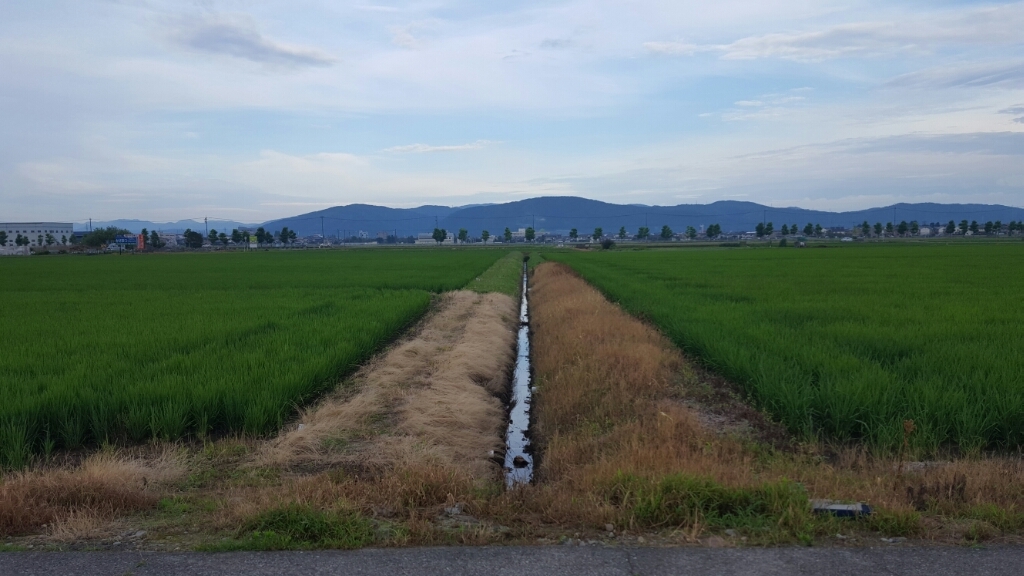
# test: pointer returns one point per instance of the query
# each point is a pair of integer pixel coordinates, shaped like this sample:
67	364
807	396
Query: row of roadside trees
644	233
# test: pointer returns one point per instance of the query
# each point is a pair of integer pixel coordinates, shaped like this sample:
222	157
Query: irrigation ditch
518	450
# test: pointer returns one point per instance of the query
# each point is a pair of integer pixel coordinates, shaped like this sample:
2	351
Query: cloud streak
984	27
426	148
999	75
240	38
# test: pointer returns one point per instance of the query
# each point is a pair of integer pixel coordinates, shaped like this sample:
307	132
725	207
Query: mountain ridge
558	214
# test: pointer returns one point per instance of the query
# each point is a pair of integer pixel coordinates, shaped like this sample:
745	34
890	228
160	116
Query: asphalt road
529	561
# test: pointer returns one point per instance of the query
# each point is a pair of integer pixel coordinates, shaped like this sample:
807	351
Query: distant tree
914	228
236	236
145	232
246	237
964	227
691	232
951	227
485	235
508	235
643	233
21	240
1011	227
530	234
50	239
865	229
818	230
574	234
809	229
607	244
439	235
974	226
598	232
285	235
666	232
794	230
878	228
768	229
39	240
193	239
988	227
463	235
154	240
223	237
902	228
759	229
261	235
997	227
212	236
3	238
785	230
622	233
713	230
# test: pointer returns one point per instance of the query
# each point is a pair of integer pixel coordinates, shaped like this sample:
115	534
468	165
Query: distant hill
561	213
558	214
350	220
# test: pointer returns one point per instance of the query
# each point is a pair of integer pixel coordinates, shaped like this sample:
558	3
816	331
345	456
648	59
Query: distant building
925	231
33	230
428	238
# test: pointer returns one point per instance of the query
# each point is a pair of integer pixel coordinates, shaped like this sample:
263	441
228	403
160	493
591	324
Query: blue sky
167	109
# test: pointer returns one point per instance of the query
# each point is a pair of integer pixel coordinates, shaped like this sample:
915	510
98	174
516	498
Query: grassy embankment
846	343
122	349
504	277
628	436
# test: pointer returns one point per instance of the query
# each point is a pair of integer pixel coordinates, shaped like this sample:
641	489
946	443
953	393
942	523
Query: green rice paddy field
127	348
846	343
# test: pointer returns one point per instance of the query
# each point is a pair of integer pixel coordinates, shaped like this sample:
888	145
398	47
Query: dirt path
435	397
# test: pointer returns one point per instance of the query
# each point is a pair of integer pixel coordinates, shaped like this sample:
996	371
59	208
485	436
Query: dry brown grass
433	399
613	395
73	502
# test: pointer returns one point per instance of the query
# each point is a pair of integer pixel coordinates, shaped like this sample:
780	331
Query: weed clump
302	527
678	501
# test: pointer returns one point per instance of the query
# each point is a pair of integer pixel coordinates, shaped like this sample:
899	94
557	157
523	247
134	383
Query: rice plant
122	349
846	343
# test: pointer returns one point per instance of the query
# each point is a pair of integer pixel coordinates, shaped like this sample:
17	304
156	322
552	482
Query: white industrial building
33	230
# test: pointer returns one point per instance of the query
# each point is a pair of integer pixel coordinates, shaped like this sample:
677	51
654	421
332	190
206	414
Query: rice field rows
846	343
123	349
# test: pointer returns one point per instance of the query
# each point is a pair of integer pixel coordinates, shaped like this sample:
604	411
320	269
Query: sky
166	110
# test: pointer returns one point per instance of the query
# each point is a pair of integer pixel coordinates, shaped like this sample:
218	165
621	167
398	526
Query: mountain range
558	214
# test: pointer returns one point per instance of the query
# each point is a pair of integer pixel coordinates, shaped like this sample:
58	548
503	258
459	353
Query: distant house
925	231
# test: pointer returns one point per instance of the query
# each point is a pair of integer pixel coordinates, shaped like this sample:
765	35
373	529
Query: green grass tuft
299	527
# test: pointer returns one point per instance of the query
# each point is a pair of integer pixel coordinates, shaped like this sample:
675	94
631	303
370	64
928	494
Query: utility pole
90	224
323	235
207	224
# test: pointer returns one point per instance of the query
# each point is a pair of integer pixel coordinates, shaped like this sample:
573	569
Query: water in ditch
518	459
